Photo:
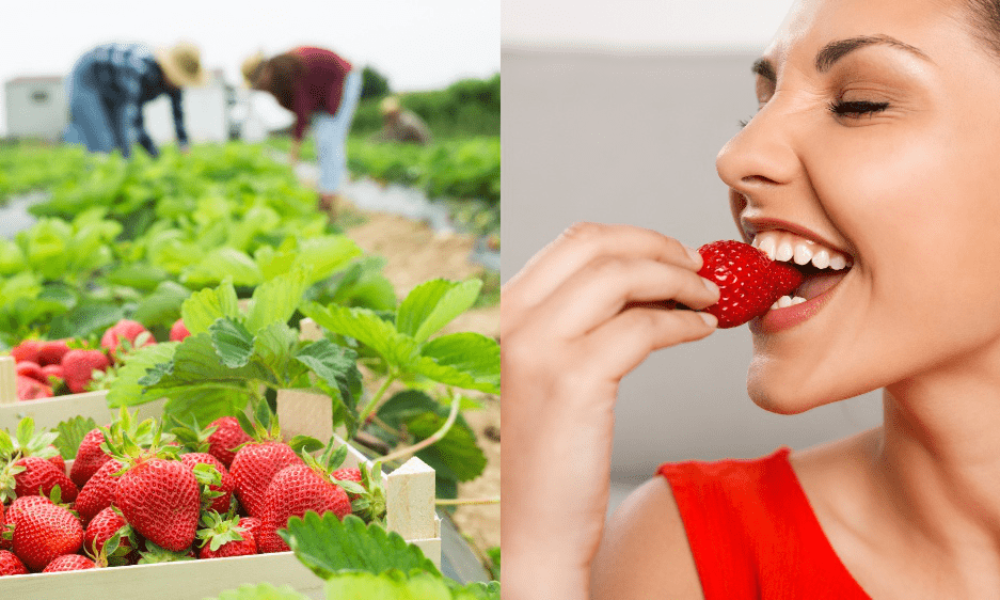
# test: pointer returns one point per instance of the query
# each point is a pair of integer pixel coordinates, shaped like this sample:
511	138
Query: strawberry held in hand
749	282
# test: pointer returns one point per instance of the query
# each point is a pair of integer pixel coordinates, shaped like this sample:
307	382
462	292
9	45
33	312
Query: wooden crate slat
49	412
8	380
186	580
410	492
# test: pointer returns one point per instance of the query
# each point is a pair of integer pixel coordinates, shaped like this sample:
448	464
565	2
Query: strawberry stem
437	436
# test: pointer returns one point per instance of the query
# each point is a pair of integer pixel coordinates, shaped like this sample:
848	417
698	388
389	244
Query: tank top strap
753	533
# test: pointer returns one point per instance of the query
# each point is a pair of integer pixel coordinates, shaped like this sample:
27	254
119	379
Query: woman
320	86
877	140
110	84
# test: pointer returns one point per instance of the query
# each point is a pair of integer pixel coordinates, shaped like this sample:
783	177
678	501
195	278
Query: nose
762	155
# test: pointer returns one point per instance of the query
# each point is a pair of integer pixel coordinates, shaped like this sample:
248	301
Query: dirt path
414	254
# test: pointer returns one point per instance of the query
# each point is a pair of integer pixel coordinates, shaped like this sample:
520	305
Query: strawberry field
203	288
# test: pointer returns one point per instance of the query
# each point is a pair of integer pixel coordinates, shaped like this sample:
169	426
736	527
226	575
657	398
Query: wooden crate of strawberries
409	499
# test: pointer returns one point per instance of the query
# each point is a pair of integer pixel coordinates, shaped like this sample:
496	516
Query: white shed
36	107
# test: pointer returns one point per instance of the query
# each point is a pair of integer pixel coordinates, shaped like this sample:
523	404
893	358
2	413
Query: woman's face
878	141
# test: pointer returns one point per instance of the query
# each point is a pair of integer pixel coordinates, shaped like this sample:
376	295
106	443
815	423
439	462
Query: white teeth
802	254
822	259
784	251
783	246
786	301
767	246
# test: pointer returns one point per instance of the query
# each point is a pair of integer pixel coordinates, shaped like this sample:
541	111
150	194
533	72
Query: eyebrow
834	51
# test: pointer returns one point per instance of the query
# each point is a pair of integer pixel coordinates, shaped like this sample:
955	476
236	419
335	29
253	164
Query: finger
600	290
578	246
625	341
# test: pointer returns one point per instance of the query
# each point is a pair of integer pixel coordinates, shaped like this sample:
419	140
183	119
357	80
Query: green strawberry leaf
433	304
205	403
329	546
391	585
427	367
222	264
196	366
366	327
71	433
125	389
336	365
233	342
262	591
163	306
323	256
273	346
275	301
204	307
472	354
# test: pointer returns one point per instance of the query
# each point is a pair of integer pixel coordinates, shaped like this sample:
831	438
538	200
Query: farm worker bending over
109	85
401	125
318	86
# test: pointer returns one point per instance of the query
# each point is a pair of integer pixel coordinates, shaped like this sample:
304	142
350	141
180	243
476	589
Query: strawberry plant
363	561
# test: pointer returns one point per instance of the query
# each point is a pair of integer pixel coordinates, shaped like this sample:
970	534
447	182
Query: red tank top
753	533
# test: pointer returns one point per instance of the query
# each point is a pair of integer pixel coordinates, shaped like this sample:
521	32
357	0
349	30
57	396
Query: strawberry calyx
368	498
218	530
262	427
132	443
154	554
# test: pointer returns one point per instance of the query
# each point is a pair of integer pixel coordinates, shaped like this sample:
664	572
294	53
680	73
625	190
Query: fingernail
709	319
694	255
710	285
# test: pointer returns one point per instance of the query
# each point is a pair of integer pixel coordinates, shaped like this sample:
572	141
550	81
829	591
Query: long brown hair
279	75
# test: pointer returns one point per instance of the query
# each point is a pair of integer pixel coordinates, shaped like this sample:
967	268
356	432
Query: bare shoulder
645	553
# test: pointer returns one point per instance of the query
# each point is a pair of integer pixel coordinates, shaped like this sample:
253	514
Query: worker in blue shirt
109	85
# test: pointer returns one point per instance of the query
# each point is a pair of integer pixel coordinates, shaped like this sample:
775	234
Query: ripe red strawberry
226	437
52	352
44	532
161	499
179	331
221	503
29	388
53	371
40	476
748	280
11	564
69	562
89	457
220	541
30	369
99	491
348	474
293	491
16	507
124	330
59	462
253	468
101	528
26	351
79	366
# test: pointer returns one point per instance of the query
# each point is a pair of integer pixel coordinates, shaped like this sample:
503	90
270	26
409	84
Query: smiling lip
751	226
781	319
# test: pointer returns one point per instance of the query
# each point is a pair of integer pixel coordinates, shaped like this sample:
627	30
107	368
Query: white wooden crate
410	496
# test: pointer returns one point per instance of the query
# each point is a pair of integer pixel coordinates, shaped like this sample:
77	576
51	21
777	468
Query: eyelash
854	110
851	110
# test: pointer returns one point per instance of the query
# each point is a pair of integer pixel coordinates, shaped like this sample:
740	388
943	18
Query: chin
782	392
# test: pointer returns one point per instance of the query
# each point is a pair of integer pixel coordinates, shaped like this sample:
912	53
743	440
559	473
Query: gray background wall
632	138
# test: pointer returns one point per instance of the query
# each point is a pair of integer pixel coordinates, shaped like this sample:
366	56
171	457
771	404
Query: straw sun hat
181	64
251	68
390	105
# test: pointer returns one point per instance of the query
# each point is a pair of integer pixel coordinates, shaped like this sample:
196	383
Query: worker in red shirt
322	89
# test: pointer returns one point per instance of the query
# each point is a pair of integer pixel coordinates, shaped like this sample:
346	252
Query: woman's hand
582	313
